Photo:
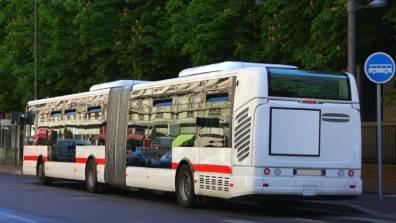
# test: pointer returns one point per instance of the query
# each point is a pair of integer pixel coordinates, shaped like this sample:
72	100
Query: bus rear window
294	83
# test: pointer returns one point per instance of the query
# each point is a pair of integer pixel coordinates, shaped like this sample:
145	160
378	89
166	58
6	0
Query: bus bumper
303	186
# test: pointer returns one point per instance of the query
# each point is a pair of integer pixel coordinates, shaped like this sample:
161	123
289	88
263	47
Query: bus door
116	137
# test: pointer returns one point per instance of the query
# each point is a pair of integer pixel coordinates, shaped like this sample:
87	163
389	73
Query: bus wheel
185	187
43	180
90	176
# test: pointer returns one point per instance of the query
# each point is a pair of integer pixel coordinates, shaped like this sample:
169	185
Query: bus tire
91	176
185	187
43	180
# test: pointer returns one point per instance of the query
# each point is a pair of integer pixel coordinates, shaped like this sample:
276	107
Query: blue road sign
379	67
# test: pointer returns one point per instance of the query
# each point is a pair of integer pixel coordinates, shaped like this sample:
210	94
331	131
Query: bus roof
97	89
224	69
225	66
120	83
70	96
190	74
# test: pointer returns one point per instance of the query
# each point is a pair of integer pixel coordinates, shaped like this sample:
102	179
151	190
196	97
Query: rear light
340	173
353	186
278	171
351	173
309	102
265	184
267	171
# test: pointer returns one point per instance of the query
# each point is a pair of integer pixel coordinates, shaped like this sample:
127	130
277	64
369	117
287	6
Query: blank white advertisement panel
295	132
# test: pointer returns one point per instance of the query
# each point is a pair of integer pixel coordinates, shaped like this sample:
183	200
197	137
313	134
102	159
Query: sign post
380	69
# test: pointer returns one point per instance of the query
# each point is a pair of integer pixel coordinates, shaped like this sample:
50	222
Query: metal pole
18	145
379	142
352	9
1	141
35	48
2	147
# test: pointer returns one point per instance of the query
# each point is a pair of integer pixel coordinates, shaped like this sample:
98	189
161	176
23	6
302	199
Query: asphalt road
23	200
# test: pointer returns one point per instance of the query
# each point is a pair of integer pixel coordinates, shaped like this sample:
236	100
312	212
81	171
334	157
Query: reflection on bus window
64	125
65	149
212	132
135	143
195	114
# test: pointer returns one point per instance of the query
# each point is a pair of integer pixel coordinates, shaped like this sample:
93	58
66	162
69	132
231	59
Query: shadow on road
270	207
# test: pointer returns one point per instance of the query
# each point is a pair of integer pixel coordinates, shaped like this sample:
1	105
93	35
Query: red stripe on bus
81	160
100	161
212	168
84	160
208	168
33	158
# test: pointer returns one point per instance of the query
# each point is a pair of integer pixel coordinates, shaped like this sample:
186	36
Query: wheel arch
183	162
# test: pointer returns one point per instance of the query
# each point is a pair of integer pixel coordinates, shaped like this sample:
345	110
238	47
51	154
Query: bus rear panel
296	132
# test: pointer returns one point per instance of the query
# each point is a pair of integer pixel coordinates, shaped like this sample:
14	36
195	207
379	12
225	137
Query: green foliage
212	31
16	64
87	42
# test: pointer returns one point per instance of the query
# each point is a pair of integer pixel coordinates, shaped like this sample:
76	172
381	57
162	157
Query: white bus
225	130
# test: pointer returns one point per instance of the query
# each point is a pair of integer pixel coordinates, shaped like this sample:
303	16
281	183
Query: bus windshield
295	83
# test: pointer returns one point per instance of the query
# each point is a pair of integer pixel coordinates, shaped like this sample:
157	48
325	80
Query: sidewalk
366	203
369	201
10	168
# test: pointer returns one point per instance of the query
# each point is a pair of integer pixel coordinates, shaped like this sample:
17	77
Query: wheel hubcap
90	178
185	185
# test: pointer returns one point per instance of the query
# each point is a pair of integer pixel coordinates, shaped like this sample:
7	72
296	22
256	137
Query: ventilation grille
335	117
242	134
214	183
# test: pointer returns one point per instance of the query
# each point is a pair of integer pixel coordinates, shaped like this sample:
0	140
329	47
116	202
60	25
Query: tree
211	31
88	42
142	49
16	65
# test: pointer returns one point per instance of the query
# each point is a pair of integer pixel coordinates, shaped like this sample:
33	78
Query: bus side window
151	112
162	119
211	132
213	124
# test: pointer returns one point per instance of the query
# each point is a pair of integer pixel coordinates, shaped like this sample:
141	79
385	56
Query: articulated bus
225	130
